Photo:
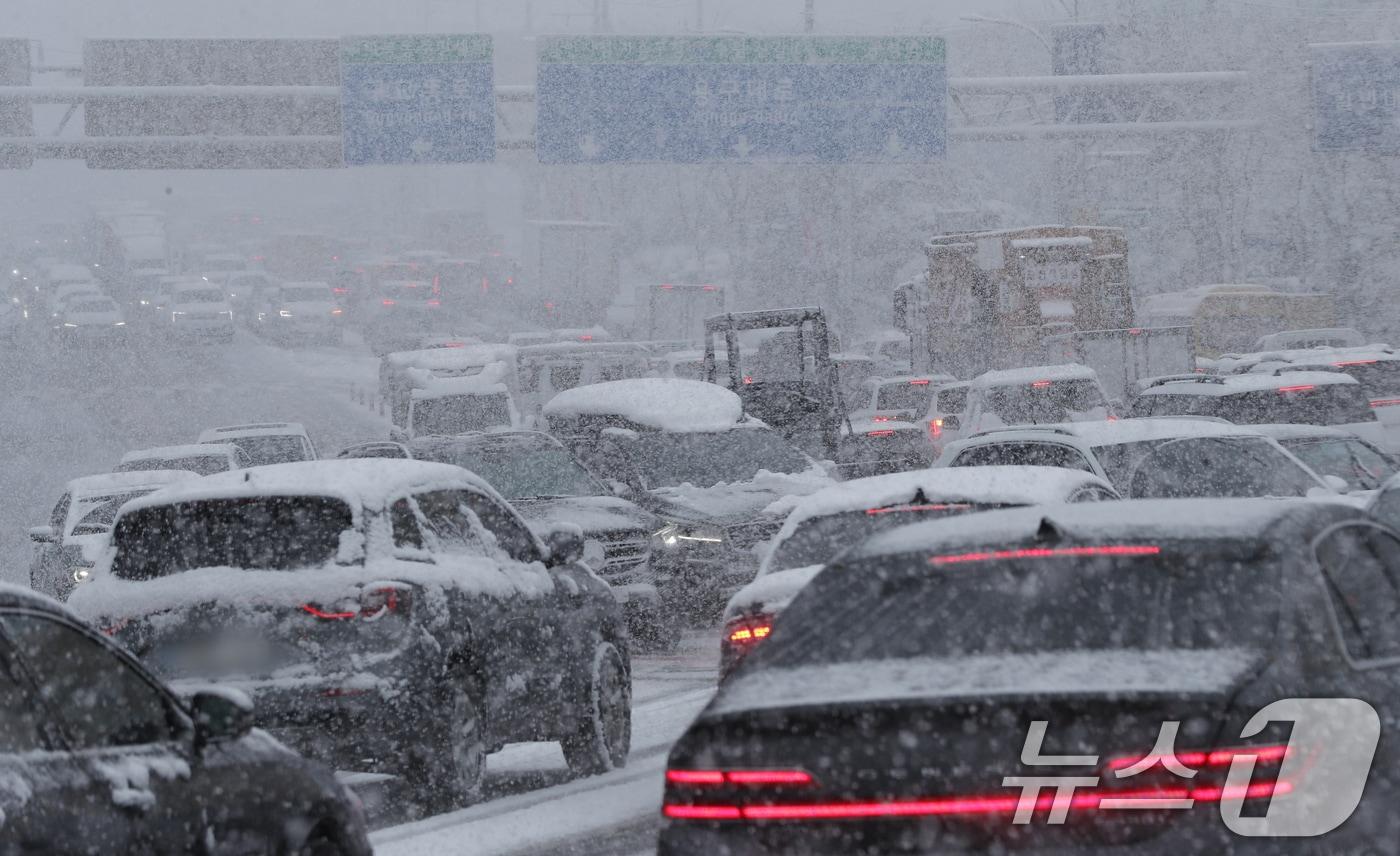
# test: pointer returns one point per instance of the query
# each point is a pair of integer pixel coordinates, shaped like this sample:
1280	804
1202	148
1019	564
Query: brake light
388	301
585	338
434	302
748	378
1134	331
340	290
668	288
881	419
933	506
750	634
887	432
707	288
702	812
486	285
919	382
739	777
1048	553
1307	387
935	428
1355	363
116	627
1040	384
1384	402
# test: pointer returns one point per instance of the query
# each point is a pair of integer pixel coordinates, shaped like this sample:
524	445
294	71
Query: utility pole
809	16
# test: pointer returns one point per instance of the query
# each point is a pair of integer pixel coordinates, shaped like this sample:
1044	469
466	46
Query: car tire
602	731
447	775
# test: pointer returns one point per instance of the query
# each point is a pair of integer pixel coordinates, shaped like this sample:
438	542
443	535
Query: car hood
938	679
592	514
768	494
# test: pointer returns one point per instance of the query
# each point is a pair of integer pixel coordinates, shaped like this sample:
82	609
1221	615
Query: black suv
97	756
395	616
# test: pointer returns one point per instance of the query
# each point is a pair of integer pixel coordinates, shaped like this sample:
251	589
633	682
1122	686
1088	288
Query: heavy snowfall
616	427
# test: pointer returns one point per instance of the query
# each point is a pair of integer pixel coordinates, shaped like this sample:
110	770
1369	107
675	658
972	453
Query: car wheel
449	775
602	732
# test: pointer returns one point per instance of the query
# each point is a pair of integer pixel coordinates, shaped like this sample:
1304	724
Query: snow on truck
1037	295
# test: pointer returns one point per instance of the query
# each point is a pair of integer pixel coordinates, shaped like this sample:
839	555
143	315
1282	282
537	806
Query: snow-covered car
200	310
1151	457
876	446
1324	337
386	615
1035	395
1295	397
685	451
265	442
1331	452
99	756
299	312
548	486
202	459
829	521
909	680
89	317
443	406
69	545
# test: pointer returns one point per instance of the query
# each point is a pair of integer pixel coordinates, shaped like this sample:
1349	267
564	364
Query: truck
571	269
1038	295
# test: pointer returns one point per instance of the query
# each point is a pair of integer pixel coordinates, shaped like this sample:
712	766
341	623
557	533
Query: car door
127	737
48	802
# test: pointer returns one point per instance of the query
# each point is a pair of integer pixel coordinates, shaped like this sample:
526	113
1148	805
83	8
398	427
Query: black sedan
97	756
1202	676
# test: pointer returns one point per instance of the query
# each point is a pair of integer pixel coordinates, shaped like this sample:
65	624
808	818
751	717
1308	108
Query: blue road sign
1356	97
417	99
782	99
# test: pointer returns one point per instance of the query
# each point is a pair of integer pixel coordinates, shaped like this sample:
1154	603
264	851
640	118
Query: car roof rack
1205	378
1011	429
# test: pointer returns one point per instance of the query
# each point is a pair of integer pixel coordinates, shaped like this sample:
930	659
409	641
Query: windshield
1302	404
458	414
908	395
1361	466
520	473
1045	401
817	540
1220	467
260	533
202	295
707	459
1186	597
272	449
204	465
94	514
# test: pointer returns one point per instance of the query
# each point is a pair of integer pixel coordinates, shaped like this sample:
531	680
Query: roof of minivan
1032	374
256	429
192	450
1128	521
108	482
1233	384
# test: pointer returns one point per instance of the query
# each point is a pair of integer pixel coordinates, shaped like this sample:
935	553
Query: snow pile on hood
662	403
1168	672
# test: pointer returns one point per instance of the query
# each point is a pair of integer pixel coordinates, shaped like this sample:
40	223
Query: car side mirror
565	545
952	423
41	534
1337	483
220	714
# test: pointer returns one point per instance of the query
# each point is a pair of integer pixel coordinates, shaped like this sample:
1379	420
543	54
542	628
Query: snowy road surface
615	814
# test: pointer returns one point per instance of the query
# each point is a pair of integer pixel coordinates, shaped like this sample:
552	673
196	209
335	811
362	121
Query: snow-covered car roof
27	598
1031	374
1108	433
253	429
1303	432
1253	361
439	359
101	483
443	387
1009	485
359	482
174	453
662	403
1139	521
1232	384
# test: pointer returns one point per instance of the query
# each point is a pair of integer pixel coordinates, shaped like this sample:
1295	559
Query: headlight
118	323
81	575
285	313
69	324
674	535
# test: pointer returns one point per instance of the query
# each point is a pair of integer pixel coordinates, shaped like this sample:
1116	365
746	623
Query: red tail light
434	302
585	338
437	284
882	419
1048	553
933	506
668	288
1355	363
888	432
935	428
748	378
486	284
1040	384
919	382
340	290
707	288
374	604
1307	387
738	777
1384	402
388	301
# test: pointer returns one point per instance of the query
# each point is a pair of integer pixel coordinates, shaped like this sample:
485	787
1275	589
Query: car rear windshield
706	459
96	513
521	473
817	540
1198	595
914	397
458	414
274	533
271	449
205	465
1300	404
1043	401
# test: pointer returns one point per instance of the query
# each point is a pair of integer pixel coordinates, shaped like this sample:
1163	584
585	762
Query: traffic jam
722	495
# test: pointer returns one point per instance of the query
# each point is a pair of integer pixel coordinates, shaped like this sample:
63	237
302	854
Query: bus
1231	318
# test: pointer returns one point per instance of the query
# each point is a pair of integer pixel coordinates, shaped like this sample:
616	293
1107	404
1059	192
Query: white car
825	523
89	317
1035	395
200	310
301	311
1152	457
266	442
200	458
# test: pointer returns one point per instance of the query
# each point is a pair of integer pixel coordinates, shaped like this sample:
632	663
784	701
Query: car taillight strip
1048	553
739	777
932	506
973	805
312	609
1214	758
1384	402
751	633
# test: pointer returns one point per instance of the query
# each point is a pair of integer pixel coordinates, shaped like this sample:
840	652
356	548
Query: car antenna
1048	532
